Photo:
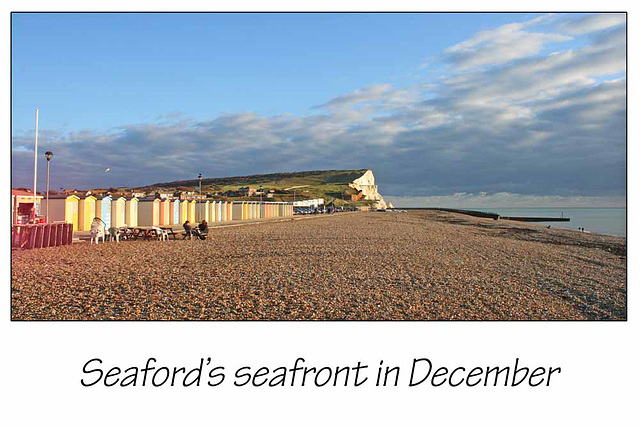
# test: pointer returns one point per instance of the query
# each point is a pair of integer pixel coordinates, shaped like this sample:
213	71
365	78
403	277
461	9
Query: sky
458	109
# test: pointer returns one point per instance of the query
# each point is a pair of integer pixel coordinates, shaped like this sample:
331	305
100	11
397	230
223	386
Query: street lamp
48	155
200	179
260	193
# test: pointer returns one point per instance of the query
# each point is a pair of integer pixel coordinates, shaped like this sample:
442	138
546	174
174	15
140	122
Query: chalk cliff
366	184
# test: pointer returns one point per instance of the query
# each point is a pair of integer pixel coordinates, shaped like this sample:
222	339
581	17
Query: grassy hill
329	184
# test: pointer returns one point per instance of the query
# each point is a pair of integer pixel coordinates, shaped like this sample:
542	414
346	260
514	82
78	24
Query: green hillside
330	184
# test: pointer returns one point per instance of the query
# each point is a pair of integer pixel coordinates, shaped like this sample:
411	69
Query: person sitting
203	229
188	229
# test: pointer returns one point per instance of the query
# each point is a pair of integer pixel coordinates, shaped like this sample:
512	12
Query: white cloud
500	45
592	23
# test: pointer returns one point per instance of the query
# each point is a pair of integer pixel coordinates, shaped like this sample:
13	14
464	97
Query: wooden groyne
492	215
478	214
536	218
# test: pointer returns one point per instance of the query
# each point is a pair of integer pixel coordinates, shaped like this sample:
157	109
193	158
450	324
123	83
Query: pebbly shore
421	265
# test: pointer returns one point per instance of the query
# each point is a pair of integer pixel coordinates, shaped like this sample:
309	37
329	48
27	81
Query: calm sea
597	220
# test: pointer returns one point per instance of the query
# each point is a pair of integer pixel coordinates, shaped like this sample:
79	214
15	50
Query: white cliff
366	184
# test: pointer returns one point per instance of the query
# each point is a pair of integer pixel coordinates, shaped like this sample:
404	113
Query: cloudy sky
458	109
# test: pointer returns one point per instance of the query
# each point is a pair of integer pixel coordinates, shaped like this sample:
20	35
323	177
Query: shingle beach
420	265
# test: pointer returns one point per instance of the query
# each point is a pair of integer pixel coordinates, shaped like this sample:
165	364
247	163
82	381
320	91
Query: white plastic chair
97	230
162	234
114	234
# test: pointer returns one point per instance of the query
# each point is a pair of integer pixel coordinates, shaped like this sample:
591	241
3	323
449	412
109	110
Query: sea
611	221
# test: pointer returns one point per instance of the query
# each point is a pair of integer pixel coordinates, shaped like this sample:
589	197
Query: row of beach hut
147	212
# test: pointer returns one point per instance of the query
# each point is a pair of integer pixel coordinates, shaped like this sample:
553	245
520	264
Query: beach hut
63	208
118	217
175	212
165	212
202	210
131	212
149	212
215	211
103	209
229	216
191	213
237	209
86	212
184	211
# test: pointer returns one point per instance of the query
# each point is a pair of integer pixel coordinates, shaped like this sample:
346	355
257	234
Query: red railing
32	236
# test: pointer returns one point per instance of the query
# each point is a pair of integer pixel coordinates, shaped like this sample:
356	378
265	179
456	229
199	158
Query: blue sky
82	68
409	95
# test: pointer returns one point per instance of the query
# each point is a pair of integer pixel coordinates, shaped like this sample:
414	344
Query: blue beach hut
103	209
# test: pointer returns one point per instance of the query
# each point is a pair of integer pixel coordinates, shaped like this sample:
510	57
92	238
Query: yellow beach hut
86	212
191	215
184	211
118	214
131	212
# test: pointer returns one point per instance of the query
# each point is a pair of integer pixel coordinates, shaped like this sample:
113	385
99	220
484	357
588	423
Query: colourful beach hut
165	212
184	211
103	209
229	216
63	208
175	212
86	212
213	210
191	215
202	210
149	212
237	210
131	212
118	217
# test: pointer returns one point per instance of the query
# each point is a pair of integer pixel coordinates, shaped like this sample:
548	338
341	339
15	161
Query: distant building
247	191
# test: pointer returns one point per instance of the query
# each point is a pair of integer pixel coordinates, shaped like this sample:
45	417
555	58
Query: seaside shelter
149	212
103	210
165	212
118	214
131	212
63	208
175	211
86	212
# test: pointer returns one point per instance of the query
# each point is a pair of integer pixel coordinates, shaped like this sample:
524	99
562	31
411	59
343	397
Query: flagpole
35	168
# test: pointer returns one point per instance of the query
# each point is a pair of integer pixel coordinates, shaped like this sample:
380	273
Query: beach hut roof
63	196
23	193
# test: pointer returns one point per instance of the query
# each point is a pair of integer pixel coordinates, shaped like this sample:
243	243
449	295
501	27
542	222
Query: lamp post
48	155
261	193
200	185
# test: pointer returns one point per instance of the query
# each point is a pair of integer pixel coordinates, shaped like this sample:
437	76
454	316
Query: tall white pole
35	166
